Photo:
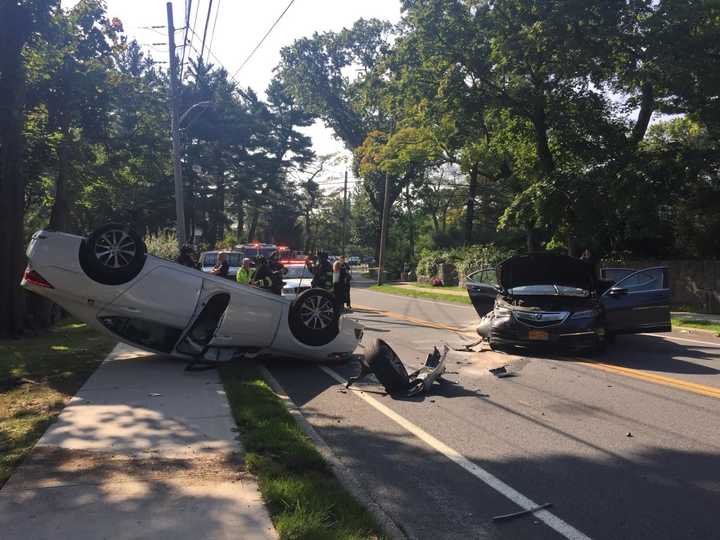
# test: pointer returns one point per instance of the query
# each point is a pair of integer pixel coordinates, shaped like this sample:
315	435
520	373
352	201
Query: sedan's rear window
548	290
233	259
297	272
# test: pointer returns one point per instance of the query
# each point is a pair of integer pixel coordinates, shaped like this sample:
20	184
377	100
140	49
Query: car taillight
33	278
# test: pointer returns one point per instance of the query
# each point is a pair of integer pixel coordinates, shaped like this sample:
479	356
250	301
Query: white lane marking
670	338
459	306
547	517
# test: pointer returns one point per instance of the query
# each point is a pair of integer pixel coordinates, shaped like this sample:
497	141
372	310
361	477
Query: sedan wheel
112	255
317	313
314	317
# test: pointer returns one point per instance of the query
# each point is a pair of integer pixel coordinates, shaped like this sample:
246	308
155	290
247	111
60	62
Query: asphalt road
626	445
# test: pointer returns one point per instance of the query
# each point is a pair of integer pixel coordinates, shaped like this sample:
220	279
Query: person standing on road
222	267
346	278
262	278
322	271
338	285
277	271
245	272
186	257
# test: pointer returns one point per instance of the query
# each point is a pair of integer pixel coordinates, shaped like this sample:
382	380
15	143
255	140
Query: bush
162	244
466	259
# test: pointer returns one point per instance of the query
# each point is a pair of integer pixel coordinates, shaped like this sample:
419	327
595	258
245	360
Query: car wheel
387	367
314	317
112	255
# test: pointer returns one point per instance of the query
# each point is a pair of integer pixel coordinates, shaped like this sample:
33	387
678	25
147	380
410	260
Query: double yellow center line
679	384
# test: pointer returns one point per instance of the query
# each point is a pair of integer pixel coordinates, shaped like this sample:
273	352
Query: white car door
251	318
167	295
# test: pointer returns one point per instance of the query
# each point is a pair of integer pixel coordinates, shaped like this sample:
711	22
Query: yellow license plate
538	335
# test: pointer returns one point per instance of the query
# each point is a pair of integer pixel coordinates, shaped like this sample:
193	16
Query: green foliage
465	259
162	244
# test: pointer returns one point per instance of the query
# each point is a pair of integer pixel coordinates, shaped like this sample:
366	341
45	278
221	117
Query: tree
21	23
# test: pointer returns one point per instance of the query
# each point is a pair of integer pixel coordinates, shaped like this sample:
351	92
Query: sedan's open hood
545	269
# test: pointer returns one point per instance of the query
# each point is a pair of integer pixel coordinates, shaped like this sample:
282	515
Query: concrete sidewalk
145	450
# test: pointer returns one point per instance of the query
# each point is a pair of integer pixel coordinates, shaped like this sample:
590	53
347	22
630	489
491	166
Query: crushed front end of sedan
551	299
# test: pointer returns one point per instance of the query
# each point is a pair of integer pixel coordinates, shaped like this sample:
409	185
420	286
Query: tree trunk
12	182
411	219
533	242
470	210
542	147
59	213
253	224
545	158
220	206
240	222
647	106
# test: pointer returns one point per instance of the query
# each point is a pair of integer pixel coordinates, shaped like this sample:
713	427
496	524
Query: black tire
314	317
113	254
387	367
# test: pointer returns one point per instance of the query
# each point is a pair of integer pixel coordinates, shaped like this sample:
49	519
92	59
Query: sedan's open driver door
638	303
482	288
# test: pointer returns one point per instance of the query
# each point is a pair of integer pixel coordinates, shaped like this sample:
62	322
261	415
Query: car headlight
586	314
502	313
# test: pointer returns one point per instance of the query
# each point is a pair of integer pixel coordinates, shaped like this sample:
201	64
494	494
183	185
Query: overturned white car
108	281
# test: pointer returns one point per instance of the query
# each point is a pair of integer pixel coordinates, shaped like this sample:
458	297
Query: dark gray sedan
550	299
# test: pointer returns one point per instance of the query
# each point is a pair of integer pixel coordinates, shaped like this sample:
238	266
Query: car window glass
485	275
645	280
616	274
148	334
548	290
234	259
209	259
296	272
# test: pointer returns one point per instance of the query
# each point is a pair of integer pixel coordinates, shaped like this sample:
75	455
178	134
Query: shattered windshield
548	290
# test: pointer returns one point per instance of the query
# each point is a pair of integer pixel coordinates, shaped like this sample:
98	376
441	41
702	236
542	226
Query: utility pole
383	230
344	213
174	129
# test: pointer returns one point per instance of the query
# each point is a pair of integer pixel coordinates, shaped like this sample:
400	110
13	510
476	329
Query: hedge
465	259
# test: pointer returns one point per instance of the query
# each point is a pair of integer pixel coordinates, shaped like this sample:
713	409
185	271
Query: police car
297	279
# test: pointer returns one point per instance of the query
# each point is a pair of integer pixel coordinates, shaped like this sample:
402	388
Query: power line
207	22
210	53
263	39
212	32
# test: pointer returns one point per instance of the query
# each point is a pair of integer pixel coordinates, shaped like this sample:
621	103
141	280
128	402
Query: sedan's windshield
548	290
297	272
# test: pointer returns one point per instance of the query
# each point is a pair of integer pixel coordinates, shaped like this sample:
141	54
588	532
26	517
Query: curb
344	476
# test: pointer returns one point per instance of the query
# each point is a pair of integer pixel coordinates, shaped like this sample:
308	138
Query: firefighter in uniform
262	277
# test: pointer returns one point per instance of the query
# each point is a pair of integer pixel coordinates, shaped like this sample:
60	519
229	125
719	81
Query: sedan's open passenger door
482	287
639	302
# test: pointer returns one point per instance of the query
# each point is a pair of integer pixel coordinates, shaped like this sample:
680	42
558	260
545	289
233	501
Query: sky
240	26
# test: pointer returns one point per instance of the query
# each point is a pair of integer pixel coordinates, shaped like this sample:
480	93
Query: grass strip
391	289
440	289
304	498
38	376
682	322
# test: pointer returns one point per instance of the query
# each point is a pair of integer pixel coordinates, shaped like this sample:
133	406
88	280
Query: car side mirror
617	291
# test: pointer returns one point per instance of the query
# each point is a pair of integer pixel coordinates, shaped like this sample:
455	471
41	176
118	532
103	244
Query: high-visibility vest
244	275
